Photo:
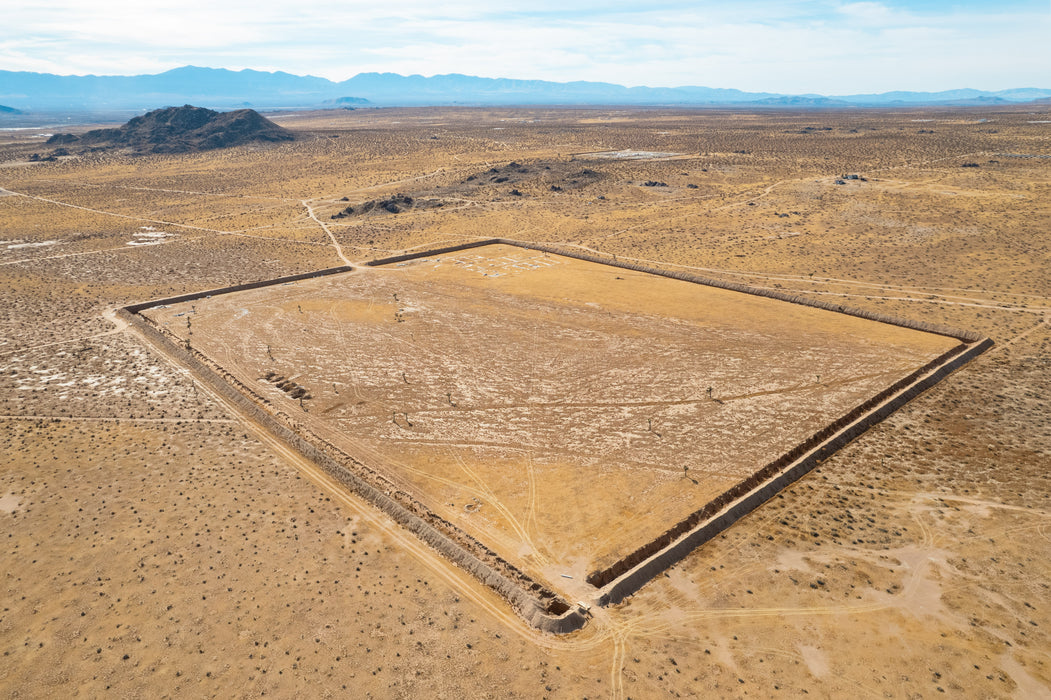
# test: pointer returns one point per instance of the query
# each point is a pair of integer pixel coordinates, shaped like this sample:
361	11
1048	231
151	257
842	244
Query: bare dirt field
154	542
555	408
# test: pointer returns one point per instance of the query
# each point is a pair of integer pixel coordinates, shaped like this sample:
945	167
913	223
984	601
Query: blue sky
793	46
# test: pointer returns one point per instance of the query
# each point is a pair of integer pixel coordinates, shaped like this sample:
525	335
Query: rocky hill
348	102
180	130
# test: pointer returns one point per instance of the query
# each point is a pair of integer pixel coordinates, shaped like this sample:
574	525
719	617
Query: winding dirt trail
182	239
328	232
109	314
403	181
119	216
1023	335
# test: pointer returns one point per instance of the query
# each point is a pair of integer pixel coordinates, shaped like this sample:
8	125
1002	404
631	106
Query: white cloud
870	14
826	46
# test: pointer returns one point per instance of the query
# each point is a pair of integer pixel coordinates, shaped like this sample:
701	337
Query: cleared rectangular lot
561	411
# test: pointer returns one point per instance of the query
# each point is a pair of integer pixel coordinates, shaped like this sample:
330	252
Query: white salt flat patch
9	503
38	244
631	155
815	659
147	235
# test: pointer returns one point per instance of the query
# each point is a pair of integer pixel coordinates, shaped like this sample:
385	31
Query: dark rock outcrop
181	130
391	205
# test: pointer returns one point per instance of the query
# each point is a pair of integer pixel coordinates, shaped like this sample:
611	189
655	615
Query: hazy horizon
827	47
517	78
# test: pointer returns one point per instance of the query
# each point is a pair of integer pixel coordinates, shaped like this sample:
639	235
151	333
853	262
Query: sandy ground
156	545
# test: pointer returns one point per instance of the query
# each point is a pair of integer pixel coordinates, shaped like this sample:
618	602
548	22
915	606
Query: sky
830	47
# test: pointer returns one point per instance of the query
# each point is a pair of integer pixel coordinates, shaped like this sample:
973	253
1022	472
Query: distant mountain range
219	88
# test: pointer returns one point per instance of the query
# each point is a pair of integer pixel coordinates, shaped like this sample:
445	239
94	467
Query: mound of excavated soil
181	130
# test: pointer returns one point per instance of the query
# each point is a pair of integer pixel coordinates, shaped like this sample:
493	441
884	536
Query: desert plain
156	542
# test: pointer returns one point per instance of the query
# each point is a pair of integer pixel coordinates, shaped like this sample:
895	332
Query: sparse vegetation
132	499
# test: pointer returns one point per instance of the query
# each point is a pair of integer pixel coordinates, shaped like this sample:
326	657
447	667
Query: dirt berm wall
965	336
817	441
630	574
435	251
540	607
136	308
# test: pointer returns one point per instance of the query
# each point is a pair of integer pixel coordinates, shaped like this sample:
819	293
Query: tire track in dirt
946	302
126	248
762	193
118	249
1005	532
392	468
654	626
328	232
458	580
926	535
919	163
829	280
914	577
119	216
109	315
502	508
113	419
161	189
403	181
531	520
1023	335
651	221
616	671
966	499
417	347
845	381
